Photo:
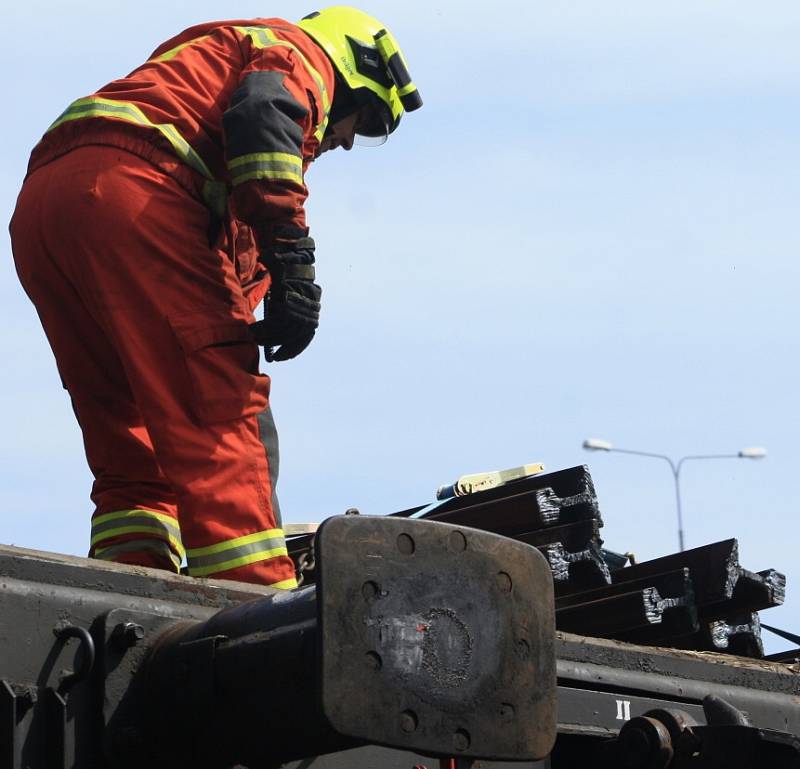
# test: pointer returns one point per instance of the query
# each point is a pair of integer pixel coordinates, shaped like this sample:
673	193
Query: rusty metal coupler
418	635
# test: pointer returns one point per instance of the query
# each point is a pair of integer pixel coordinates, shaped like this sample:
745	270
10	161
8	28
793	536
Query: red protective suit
145	285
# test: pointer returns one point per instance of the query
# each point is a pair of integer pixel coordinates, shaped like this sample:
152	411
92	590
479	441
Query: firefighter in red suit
155	216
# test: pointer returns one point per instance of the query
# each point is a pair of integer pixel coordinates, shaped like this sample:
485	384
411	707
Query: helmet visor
370	141
374	124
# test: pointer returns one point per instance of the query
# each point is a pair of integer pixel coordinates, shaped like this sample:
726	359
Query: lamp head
595	444
753	452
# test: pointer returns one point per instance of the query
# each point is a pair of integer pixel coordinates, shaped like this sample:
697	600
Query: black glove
291	309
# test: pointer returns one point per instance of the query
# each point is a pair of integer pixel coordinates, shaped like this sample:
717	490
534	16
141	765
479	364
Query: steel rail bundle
701	599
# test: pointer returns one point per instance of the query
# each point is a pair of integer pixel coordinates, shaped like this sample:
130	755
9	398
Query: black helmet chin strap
344	102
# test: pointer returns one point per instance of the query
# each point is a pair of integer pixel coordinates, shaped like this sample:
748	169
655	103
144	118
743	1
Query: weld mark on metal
446	648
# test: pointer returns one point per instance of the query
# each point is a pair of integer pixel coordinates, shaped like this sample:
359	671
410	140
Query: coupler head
422	636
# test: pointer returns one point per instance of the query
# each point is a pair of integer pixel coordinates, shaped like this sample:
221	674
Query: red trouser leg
150	332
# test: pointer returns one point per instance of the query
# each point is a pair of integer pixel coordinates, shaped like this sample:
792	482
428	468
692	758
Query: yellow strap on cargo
264	37
96	106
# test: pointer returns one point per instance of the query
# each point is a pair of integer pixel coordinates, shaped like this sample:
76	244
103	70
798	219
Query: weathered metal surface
375	757
714	570
601	683
585	712
737	634
550	499
768	692
56	717
672	739
676	622
671	584
137	585
524	510
604	684
237	688
721	586
178	683
573	536
753	591
437	637
579	569
686	591
9	732
607	617
674	614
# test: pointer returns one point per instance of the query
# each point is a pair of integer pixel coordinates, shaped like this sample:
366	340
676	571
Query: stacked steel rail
700	599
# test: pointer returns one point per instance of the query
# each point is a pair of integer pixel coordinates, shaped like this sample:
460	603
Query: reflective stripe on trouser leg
269	439
133	551
118	535
241	551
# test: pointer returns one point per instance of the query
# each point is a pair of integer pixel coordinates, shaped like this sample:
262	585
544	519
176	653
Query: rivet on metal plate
408	721
405	544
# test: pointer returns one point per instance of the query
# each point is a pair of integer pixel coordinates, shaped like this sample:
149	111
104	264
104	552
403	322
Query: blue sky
589	230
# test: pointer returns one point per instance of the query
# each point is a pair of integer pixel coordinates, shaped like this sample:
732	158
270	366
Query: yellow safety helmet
369	61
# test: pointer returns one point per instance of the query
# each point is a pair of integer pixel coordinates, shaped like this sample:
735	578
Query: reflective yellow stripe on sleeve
266	165
264	37
241	551
173	52
97	106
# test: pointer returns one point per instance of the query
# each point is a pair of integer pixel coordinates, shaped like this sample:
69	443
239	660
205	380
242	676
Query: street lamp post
753	452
